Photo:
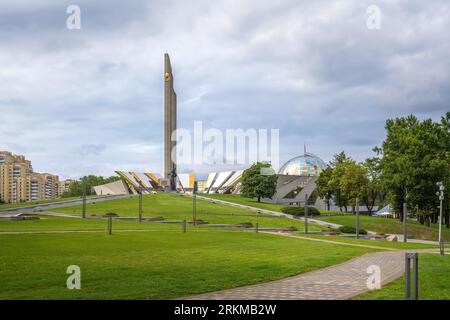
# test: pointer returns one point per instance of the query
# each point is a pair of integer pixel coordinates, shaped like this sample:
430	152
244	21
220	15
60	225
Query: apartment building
18	182
64	185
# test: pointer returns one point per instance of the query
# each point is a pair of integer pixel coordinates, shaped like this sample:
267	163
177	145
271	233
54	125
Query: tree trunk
259	198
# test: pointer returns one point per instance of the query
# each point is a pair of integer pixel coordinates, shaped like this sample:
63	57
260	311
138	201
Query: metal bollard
110	225
415	260
184	226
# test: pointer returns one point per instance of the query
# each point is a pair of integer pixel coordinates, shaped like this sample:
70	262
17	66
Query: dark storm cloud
90	101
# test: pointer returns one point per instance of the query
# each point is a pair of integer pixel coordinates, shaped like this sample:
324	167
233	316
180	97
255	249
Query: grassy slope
31	203
434	280
66	224
377	224
385	225
151	265
245	201
384	244
176	207
254	203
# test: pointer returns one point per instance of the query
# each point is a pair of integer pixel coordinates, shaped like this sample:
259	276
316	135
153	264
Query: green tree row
414	156
345	180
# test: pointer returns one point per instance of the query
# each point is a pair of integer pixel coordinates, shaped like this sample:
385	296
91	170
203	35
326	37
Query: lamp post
440	195
140	201
84	197
306	213
357	218
194	203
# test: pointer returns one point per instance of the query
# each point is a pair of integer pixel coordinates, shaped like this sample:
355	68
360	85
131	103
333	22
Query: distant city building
64	185
18	182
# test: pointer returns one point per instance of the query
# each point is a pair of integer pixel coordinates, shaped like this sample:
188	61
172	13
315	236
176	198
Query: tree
415	155
344	180
373	189
445	126
323	186
76	188
337	164
256	183
353	180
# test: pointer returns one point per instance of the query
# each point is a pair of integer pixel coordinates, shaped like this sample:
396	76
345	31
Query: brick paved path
341	281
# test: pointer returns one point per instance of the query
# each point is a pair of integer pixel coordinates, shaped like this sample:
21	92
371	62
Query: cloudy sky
90	100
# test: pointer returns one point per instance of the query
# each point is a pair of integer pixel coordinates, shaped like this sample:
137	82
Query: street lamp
440	194
194	203
140	201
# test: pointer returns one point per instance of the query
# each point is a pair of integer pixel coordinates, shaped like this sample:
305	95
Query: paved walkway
338	282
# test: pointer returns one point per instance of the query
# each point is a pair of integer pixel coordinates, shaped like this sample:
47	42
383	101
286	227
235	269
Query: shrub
349	229
296	211
246	225
312	211
111	214
300	211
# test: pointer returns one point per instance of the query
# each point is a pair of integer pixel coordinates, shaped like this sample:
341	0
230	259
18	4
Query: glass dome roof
308	165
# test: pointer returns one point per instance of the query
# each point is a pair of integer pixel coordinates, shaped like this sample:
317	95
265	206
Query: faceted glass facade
307	165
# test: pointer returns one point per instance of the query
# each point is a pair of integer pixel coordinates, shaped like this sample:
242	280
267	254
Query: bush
349	229
312	211
246	224
300	211
296	211
111	214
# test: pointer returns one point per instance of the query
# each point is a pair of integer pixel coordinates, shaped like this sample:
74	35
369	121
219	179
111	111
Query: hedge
300	211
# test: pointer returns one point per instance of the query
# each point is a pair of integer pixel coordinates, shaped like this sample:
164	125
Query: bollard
183	226
194	203
140	202
83	200
257	227
415	261
109	225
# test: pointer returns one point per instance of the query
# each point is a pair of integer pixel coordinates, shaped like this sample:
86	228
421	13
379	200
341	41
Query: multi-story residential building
64	185
18	182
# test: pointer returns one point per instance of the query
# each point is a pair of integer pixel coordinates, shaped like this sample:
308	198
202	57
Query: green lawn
386	226
434	281
177	207
262	205
32	203
378	243
245	201
159	263
377	224
66	224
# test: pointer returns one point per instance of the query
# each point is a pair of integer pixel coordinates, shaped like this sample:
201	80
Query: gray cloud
90	101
